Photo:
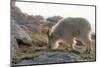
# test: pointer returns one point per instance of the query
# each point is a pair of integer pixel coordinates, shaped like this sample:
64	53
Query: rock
33	27
14	46
52	57
25	28
54	19
19	33
56	57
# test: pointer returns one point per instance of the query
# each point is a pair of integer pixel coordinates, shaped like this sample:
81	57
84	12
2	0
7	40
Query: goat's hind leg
85	39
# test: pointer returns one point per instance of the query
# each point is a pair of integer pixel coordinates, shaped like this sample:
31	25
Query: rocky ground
41	55
52	57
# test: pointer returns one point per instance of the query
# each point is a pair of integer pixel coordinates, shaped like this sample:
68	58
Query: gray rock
52	57
33	27
19	33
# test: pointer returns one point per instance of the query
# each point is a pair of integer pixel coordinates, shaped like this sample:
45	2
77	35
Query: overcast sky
48	10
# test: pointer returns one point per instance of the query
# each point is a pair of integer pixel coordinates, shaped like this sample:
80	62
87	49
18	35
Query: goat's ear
48	32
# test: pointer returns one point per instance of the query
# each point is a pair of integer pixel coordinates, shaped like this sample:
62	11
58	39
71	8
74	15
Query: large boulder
19	34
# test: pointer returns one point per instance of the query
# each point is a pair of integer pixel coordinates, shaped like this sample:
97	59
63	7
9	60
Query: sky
49	10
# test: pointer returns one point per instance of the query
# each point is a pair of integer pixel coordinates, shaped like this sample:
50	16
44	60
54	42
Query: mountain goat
69	29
